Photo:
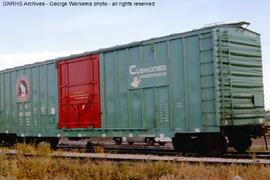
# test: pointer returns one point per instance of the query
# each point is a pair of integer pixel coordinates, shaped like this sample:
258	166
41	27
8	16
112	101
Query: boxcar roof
136	43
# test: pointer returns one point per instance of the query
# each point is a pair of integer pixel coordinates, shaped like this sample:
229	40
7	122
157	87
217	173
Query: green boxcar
194	85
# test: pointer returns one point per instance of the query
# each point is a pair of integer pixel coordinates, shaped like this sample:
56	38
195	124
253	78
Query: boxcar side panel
162	87
29	106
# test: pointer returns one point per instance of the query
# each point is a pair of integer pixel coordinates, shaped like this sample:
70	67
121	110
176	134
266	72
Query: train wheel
175	145
181	144
8	139
131	142
213	144
150	141
161	143
118	140
54	142
217	145
241	144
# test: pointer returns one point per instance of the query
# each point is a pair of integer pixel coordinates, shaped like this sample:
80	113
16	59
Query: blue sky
30	34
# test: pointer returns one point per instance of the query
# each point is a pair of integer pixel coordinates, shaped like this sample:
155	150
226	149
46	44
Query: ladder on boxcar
225	78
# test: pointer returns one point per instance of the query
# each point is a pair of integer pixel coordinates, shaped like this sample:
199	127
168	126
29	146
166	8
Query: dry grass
98	149
41	148
44	167
48	168
23	148
259	149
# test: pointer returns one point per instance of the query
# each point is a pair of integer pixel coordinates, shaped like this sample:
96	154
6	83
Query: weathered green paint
38	114
176	95
191	97
240	77
202	80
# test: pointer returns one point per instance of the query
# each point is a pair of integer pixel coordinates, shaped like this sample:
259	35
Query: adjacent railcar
202	88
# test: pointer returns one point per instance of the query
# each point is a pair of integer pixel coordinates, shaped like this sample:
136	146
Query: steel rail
152	150
138	158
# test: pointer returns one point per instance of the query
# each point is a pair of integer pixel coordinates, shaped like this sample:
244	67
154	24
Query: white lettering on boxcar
141	73
147	70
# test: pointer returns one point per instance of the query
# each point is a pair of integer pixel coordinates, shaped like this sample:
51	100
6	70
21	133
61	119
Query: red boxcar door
79	93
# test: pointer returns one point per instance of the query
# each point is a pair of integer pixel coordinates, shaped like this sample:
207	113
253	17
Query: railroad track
161	151
123	149
147	153
138	158
248	155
